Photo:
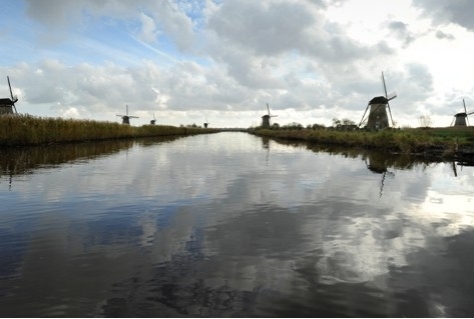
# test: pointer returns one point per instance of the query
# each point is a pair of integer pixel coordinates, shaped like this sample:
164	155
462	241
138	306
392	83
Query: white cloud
321	57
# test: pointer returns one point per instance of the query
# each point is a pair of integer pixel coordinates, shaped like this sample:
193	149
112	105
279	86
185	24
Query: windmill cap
379	100
7	101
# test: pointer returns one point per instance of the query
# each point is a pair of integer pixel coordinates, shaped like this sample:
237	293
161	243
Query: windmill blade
268	109
9	85
11	94
390	112
452	122
391	96
363	116
384	86
464	104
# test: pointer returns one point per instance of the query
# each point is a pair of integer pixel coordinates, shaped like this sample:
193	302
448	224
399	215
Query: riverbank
446	143
27	130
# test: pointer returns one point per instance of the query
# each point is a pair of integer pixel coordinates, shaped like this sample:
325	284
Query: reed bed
22	130
429	142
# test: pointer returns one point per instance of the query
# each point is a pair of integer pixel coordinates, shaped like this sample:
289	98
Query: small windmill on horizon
152	122
126	118
266	118
377	107
7	105
206	124
461	119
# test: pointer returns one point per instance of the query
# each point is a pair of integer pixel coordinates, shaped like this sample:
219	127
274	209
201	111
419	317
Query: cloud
445	12
441	35
60	16
316	57
401	31
148	31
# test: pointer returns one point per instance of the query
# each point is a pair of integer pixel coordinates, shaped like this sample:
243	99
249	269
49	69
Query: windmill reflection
266	146
377	163
464	161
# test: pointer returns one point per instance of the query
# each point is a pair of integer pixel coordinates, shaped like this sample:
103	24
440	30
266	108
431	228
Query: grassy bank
431	142
22	130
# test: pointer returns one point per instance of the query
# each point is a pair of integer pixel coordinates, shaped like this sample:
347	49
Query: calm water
230	224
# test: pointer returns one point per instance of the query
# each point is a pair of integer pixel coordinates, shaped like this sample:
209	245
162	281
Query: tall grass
19	130
432	142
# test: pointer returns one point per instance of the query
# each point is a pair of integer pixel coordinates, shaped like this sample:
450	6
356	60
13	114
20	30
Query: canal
232	225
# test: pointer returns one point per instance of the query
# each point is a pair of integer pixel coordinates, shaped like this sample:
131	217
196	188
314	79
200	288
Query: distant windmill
266	118
152	122
7	105
126	118
378	118
206	123
461	119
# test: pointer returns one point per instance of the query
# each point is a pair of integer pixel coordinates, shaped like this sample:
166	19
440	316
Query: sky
188	62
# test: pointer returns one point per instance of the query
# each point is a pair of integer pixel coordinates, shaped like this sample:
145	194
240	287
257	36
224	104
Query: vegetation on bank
22	130
437	142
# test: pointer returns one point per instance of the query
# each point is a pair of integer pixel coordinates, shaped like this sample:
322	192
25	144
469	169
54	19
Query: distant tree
317	126
347	122
275	126
293	126
425	121
336	122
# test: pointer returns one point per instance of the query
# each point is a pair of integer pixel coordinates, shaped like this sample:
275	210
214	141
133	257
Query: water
230	224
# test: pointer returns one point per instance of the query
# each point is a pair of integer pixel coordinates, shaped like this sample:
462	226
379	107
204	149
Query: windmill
378	118
206	123
266	118
7	105
461	119
152	122
126	118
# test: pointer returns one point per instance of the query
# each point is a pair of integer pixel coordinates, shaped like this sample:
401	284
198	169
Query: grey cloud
444	12
275	28
264	28
400	30
60	15
446	36
53	13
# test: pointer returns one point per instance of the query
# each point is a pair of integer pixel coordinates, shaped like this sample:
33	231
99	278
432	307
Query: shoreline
430	144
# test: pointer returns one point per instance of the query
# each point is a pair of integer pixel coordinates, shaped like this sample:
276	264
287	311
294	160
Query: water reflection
23	161
248	227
